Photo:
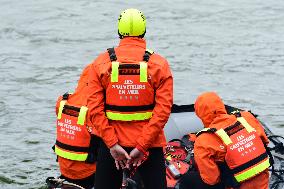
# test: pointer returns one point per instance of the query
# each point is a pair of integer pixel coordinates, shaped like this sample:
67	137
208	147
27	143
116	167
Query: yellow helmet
131	22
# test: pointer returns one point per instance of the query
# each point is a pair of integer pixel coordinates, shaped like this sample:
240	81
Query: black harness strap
71	148
234	128
93	149
72	108
129	69
250	163
65	96
129	108
112	54
146	56
129	66
210	130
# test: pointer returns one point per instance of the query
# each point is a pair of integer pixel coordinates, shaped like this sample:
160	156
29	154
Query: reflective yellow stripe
150	51
61	106
253	171
245	124
129	117
70	155
223	135
114	71
143	72
82	115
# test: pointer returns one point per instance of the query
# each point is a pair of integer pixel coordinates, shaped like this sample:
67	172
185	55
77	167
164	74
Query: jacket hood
208	106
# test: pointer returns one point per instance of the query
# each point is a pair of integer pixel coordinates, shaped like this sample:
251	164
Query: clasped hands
125	160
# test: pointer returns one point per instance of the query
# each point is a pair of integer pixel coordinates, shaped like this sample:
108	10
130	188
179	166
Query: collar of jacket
140	42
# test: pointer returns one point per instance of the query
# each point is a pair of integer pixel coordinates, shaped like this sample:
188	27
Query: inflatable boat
183	121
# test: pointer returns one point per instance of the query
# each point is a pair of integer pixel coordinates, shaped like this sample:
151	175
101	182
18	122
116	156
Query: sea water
235	48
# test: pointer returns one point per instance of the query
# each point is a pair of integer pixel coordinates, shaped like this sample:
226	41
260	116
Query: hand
136	156
119	155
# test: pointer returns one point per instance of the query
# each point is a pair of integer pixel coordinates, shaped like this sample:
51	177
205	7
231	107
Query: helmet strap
140	36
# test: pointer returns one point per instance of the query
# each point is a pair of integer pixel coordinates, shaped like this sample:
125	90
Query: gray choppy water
232	47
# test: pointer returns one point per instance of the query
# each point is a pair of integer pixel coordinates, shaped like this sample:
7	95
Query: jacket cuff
141	144
141	149
109	138
111	143
95	132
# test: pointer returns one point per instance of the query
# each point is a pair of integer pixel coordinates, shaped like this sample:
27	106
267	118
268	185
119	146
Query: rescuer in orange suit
130	100
72	167
235	139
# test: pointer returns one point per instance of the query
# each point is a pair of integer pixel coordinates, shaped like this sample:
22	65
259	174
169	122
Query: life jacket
73	141
179	156
246	155
129	95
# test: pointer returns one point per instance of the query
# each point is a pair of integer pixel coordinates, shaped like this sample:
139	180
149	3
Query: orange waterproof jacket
77	169
144	134
209	149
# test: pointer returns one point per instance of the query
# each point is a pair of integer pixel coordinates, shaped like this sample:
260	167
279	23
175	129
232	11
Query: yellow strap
61	106
82	115
114	71
245	124
253	171
143	72
70	155
129	117
223	135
